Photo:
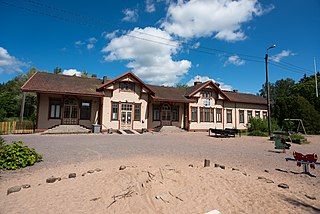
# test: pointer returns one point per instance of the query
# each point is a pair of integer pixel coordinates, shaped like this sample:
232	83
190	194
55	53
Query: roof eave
61	92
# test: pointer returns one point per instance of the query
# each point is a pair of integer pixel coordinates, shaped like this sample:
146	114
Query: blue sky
163	41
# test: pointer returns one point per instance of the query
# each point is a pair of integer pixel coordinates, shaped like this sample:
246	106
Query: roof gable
195	89
127	74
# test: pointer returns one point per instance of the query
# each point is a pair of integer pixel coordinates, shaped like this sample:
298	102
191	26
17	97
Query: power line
200	49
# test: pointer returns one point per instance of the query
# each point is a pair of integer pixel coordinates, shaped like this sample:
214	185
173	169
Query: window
137	112
229	116
194	114
241	116
126	86
205	115
211	115
249	115
219	115
206	94
156	112
264	115
257	114
85	111
115	111
201	115
126	107
175	113
55	107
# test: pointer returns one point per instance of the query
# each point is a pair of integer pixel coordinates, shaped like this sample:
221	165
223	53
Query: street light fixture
268	90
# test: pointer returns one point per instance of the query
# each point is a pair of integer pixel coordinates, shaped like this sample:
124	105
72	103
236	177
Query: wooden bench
306	161
224	133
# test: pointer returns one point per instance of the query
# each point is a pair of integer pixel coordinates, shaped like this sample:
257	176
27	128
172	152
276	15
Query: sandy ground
158	178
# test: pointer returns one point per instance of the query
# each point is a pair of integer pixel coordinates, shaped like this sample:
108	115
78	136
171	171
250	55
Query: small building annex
126	102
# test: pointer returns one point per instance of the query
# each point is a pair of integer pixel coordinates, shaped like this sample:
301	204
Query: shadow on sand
299	203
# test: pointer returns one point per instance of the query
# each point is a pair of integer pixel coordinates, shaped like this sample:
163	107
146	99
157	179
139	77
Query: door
126	116
166	115
70	112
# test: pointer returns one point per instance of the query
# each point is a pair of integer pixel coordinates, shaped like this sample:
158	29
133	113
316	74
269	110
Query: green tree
279	89
11	97
57	70
84	74
179	85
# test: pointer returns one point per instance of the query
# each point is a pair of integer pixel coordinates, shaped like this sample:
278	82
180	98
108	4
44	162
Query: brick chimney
197	83
94	76
235	91
105	79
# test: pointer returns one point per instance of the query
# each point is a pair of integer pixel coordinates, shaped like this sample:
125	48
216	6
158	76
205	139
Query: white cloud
279	56
92	40
204	18
79	43
195	45
130	15
149	60
89	43
235	60
90	46
72	72
8	63
198	78
111	35
150	7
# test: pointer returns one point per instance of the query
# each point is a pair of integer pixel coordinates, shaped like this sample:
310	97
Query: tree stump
206	163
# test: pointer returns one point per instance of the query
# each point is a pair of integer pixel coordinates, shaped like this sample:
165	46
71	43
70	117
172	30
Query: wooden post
206	163
22	105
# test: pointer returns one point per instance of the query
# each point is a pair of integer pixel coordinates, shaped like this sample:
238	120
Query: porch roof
43	82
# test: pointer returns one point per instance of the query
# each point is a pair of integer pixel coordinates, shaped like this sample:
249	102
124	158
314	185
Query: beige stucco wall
43	118
216	103
115	95
44	122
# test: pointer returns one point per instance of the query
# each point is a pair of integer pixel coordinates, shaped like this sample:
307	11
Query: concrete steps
67	129
124	132
171	129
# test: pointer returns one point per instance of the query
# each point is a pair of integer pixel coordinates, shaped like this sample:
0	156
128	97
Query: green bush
259	127
15	156
1	142
258	133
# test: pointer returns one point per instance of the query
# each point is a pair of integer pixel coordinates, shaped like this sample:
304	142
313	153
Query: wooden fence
16	127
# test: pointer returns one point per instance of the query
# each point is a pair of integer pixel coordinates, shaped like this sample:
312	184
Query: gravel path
246	152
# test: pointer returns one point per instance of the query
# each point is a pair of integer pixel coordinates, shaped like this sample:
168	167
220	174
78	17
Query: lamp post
268	90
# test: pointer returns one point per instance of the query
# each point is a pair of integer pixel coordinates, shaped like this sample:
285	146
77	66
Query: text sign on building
206	102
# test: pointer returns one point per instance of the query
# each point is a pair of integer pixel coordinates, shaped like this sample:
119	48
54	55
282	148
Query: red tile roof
62	84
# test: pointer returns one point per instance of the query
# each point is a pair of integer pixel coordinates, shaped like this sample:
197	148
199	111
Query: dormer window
206	94
126	86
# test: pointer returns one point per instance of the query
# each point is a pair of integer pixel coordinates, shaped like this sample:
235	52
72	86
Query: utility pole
315	76
268	90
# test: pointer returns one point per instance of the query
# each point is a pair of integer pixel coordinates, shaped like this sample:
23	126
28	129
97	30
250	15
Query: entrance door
70	112
126	116
166	115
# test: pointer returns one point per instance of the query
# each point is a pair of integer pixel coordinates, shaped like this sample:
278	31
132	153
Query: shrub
1	142
15	156
259	127
258	133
